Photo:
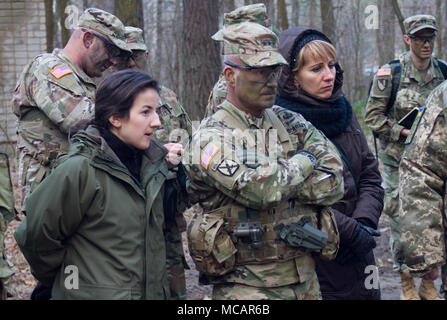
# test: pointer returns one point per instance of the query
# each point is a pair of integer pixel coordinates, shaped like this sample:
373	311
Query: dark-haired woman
94	227
312	85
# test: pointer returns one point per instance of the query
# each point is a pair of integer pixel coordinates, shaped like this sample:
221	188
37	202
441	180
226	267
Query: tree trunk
444	32
49	21
439	52
328	19
228	6
140	14
178	52
156	70
385	36
127	12
282	15
400	18
106	5
313	14
270	8
295	12
201	56
65	33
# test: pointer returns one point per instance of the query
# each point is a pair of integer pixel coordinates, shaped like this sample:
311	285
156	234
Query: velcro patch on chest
208	153
383	72
61	71
228	167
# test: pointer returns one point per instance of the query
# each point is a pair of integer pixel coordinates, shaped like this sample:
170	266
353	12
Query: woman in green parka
94	227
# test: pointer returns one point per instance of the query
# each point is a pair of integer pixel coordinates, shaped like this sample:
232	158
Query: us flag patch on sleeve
61	71
208	153
382	72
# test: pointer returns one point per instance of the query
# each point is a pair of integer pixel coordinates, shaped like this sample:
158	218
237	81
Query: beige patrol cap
256	45
105	23
134	38
421	21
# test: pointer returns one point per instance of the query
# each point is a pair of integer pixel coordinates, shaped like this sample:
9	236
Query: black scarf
131	157
332	121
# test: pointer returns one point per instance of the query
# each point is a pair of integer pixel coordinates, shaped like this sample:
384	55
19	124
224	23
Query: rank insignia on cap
382	72
382	84
208	153
228	167
61	71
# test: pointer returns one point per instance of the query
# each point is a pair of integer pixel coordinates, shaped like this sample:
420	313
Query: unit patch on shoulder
382	84
208	153
61	71
382	72
228	167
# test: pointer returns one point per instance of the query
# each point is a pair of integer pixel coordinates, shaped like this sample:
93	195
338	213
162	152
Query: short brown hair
316	49
116	94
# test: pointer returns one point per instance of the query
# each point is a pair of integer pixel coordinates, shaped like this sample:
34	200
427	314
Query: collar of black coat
155	152
332	121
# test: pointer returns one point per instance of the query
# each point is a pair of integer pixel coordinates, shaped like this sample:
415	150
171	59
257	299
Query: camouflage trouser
390	177
30	175
5	270
309	290
175	261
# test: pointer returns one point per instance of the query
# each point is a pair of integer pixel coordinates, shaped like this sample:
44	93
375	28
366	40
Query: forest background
183	57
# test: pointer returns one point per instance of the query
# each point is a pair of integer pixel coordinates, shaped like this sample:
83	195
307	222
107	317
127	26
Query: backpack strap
443	68
396	70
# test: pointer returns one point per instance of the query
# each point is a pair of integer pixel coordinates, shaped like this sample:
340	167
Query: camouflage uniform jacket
217	96
175	123
175	128
219	178
423	176
413	91
51	95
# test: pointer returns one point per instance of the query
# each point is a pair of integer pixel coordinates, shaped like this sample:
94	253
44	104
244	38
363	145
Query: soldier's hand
362	242
405	132
175	152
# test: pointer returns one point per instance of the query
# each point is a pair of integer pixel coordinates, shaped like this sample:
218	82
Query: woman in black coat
312	86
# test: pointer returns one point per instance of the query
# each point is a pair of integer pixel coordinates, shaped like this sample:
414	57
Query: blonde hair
313	50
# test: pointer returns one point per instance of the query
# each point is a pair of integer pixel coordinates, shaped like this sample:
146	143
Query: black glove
170	200
362	242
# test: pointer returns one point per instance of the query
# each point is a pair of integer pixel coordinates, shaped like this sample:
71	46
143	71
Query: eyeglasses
422	40
263	74
112	49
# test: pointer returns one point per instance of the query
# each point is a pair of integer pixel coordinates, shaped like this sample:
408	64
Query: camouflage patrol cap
134	38
256	45
105	23
422	21
251	13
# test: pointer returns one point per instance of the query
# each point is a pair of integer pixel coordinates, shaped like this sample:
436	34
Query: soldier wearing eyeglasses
56	91
260	173
398	88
